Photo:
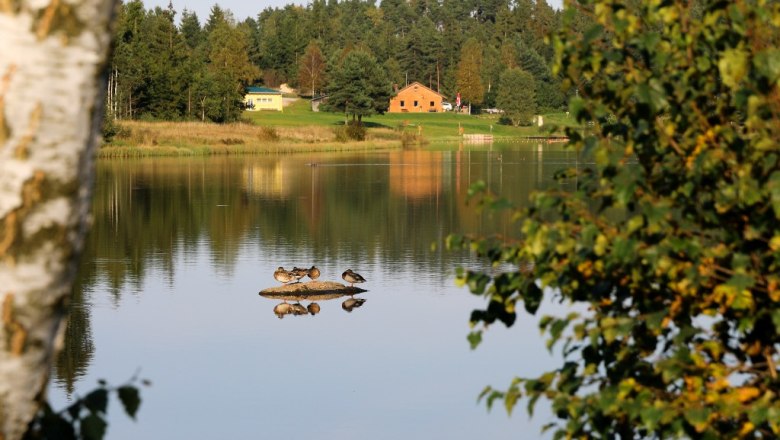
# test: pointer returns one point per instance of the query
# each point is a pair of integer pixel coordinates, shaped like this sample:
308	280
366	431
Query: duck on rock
298	273
352	277
282	275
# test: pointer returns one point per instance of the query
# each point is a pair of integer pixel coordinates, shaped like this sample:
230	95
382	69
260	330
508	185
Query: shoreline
137	139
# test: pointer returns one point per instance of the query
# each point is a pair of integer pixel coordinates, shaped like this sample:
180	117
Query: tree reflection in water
374	208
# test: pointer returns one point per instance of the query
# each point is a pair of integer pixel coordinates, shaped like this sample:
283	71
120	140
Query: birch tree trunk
52	84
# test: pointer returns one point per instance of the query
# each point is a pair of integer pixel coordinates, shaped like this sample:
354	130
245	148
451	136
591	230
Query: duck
352	277
282	275
314	273
352	303
298	273
313	308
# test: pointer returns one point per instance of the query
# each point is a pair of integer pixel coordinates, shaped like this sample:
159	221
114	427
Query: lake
180	248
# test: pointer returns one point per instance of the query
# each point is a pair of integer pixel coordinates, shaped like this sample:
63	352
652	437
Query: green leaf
492	398
733	66
477	282
55	427
592	33
767	64
532	298
74	410
93	427
130	398
651	416
510	399
698	418
97	401
774	191
743	300
475	338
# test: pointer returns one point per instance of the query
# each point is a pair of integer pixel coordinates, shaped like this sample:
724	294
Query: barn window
431	105
415	103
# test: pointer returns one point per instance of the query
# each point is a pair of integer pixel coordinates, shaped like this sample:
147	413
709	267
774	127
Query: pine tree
358	87
228	72
420	58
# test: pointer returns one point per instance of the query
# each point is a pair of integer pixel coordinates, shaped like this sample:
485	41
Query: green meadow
432	126
299	129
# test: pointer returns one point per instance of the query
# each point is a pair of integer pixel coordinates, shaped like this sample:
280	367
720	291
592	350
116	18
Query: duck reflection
313	308
282	309
297	309
352	303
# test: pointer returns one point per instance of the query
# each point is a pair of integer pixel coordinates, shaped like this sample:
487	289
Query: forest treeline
172	67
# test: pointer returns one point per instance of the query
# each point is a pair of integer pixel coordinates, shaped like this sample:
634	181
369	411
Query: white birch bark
52	59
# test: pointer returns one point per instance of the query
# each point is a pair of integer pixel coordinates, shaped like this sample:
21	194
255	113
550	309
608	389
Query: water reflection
352	303
192	227
297	309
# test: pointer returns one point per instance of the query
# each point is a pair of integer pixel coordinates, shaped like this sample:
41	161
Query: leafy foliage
672	237
517	96
311	69
469	79
84	418
358	87
161	70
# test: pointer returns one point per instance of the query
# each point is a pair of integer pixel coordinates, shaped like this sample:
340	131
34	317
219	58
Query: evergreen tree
127	70
358	87
516	96
549	95
394	72
228	73
420	58
190	29
161	95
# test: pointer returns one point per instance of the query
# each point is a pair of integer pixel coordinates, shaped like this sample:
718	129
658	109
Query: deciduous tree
48	133
469	74
311	69
670	242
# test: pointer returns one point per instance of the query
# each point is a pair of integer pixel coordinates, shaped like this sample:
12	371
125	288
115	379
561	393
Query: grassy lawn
298	129
435	126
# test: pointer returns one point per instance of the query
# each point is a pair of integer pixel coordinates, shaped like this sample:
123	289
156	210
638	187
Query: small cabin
416	98
262	98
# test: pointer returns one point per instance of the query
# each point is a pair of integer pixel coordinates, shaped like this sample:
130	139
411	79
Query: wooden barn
416	98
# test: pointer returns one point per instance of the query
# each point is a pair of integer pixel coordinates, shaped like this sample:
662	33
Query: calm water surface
180	249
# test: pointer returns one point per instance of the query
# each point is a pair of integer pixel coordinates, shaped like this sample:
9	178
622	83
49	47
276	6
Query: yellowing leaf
733	66
745	394
601	245
774	243
743	300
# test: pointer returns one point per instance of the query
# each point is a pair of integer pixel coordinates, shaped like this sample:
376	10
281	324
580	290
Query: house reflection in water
416	174
269	179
